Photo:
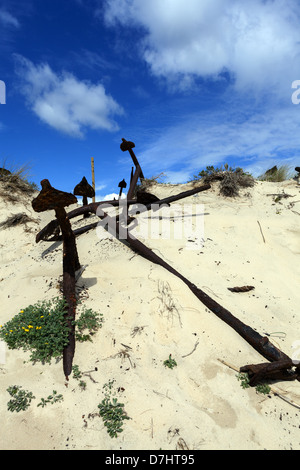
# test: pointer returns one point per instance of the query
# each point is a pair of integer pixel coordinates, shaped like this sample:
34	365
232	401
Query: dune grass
15	181
282	173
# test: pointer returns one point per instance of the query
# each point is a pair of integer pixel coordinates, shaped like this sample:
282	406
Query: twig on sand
261	232
194	349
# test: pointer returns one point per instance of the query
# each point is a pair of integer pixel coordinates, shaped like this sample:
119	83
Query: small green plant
54	398
39	328
77	375
21	399
263	388
170	363
244	379
90	321
42	329
245	383
112	412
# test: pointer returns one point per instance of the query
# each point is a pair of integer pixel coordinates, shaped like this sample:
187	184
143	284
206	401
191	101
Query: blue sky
191	82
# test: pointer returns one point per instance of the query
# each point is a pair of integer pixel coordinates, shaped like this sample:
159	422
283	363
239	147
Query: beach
149	314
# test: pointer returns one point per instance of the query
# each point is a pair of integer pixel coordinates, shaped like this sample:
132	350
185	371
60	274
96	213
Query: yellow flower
38	327
30	326
25	329
42	316
21	311
11	331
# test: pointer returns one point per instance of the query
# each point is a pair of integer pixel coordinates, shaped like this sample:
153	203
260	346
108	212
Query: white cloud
256	41
7	19
253	140
252	122
99	187
66	103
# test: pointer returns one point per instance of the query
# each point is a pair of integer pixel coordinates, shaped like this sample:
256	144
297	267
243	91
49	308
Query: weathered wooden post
93	178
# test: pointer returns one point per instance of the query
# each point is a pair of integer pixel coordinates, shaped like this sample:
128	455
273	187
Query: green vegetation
111	411
170	363
244	379
20	400
54	398
87	325
231	179
245	383
42	329
77	375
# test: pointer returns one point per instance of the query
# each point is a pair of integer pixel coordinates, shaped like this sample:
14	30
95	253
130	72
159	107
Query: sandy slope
149	314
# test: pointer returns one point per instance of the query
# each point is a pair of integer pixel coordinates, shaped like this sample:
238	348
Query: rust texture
85	190
122	185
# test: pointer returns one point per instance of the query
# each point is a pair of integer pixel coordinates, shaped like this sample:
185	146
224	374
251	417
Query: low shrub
231	179
20	399
112	412
42	329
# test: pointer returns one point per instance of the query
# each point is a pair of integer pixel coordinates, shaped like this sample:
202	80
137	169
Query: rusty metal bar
50	198
278	370
133	182
127	145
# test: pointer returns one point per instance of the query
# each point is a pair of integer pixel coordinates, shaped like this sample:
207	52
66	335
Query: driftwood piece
241	289
281	195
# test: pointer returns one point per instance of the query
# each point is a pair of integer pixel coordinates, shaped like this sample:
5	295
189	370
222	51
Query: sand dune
150	314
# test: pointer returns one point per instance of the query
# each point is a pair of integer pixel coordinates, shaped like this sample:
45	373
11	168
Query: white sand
149	314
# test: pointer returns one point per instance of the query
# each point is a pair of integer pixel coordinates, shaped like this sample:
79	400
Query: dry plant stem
261	231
